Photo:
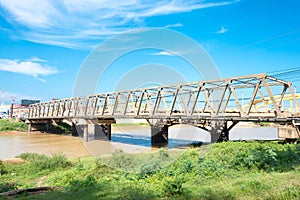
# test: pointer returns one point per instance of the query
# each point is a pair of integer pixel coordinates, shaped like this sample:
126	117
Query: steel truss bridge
213	105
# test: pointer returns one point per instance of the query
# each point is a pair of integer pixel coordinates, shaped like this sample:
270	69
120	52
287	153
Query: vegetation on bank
16	125
231	170
12	125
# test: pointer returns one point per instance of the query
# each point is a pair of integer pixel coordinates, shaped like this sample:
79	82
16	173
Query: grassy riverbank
7	125
232	170
12	125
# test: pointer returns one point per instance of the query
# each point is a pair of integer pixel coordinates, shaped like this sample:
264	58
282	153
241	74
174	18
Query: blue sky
43	44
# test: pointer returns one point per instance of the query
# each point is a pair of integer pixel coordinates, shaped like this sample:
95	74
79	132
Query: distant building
4	111
27	102
20	111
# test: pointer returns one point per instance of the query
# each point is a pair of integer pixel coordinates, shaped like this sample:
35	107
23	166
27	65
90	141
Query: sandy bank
20	133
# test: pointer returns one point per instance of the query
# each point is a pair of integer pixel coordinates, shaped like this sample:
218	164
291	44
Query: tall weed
12	125
37	162
254	156
2	168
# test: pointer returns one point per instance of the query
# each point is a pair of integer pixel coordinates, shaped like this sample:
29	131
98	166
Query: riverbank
232	170
12	125
7	133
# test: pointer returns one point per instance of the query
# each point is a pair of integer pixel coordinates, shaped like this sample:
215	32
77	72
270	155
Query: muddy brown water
13	145
129	139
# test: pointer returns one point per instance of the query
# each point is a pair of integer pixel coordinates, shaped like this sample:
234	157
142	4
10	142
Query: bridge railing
253	96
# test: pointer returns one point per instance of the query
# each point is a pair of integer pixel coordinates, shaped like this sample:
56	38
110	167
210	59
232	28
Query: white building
4	111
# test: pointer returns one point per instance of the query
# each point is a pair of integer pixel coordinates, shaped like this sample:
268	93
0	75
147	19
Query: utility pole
12	106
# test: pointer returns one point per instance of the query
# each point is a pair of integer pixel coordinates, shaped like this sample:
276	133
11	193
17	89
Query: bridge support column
48	124
74	130
102	131
29	127
220	131
159	135
108	131
85	133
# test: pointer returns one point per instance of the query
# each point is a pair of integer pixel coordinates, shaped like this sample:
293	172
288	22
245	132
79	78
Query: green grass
12	125
232	170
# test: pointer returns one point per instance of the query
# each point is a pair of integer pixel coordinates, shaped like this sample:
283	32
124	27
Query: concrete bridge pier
92	128
102	131
80	129
159	135
85	133
48	124
220	131
29	127
74	130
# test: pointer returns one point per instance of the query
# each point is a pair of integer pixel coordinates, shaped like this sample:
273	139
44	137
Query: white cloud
79	24
163	53
32	13
173	25
36	59
222	30
33	67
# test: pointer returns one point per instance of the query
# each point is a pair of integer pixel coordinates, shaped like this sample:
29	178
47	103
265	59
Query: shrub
5	187
163	154
172	185
2	168
59	160
135	192
100	168
254	156
63	179
122	160
12	125
209	168
265	158
73	180
39	162
150	167
75	185
31	156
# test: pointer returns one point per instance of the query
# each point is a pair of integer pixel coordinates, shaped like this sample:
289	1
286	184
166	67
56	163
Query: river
130	139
